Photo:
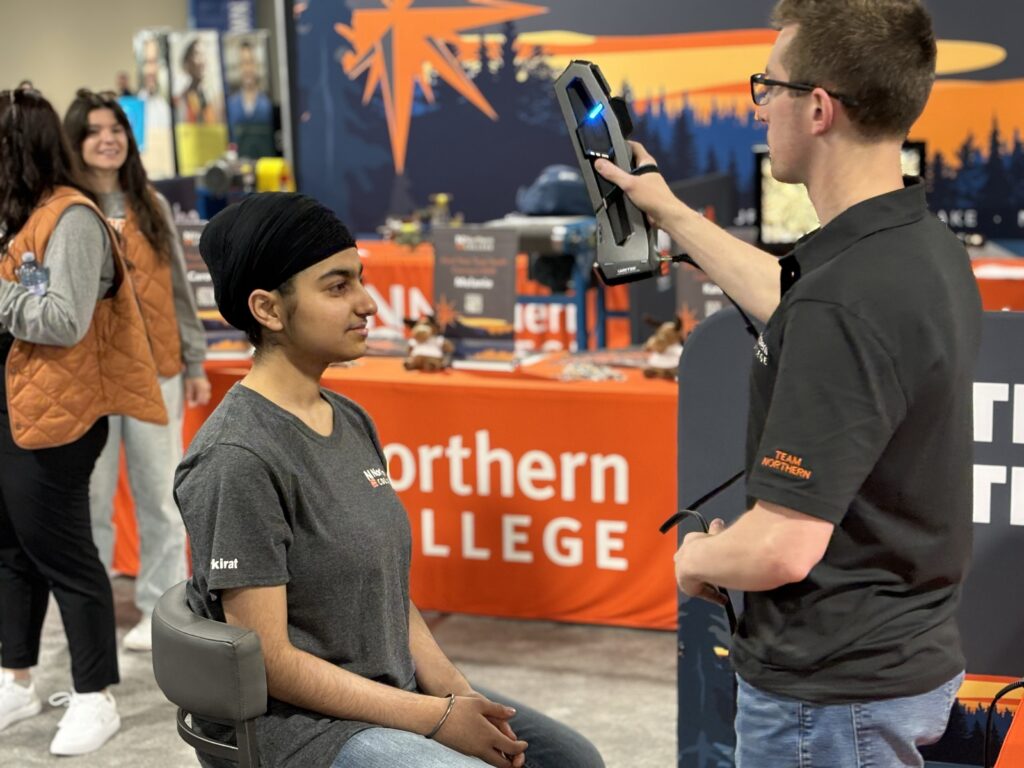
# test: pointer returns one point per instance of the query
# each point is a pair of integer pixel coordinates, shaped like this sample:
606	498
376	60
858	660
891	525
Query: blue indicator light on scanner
595	112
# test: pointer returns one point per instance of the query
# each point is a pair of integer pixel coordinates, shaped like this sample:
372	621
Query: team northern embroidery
787	464
376	477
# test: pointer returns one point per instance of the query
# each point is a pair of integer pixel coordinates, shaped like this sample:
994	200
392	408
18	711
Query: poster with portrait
249	107
154	126
200	128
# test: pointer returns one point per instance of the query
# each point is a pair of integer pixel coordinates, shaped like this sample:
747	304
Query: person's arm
437	676
745	273
81	268
306	681
435	672
768	547
190	328
836	402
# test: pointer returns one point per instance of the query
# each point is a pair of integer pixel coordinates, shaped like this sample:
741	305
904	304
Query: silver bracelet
448	711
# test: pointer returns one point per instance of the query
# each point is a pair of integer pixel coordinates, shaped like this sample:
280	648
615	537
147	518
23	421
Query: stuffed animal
664	348
428	349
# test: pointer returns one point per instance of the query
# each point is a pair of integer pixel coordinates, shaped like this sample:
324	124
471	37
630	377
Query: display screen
595	141
785	212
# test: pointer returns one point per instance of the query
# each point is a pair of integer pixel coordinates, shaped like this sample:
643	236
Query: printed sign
475	294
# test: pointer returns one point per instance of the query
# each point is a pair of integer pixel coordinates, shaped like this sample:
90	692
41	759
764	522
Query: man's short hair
881	53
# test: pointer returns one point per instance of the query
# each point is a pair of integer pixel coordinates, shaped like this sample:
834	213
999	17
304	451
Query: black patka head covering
261	242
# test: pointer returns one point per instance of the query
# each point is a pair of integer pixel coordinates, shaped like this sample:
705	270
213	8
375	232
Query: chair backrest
210	670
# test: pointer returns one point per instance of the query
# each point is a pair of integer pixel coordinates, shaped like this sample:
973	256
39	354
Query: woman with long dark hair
74	349
99	133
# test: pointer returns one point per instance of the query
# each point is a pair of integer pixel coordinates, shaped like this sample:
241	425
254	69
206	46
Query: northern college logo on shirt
761	350
787	464
220	564
376	477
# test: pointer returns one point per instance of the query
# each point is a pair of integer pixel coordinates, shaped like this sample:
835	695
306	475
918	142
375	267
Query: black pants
46	545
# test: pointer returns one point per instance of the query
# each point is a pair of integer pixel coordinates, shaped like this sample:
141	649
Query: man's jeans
776	732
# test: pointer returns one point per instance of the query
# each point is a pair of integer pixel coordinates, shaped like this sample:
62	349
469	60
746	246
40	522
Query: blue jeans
552	745
777	732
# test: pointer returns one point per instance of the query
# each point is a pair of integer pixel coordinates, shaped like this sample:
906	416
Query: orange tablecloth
527	496
1012	753
1001	282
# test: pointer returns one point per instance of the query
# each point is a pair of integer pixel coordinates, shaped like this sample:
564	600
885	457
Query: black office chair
210	670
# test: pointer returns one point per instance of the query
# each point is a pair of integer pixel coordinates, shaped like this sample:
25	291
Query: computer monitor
784	211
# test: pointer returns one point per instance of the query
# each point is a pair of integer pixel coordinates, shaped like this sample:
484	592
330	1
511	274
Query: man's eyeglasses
761	90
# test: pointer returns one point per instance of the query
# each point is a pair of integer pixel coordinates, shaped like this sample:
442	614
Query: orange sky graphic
978	690
401	45
721	62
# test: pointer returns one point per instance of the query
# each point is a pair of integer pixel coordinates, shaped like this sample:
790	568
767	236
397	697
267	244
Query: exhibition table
528	496
1012	753
403	281
1001	283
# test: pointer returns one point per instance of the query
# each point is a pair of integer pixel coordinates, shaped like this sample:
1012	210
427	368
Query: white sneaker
16	701
140	637
91	719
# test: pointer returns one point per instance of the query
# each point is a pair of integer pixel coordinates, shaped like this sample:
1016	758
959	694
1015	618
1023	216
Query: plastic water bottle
33	275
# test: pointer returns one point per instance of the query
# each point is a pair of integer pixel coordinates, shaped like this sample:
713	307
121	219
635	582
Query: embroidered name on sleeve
787	464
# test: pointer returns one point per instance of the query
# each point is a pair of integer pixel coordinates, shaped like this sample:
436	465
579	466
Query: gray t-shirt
268	501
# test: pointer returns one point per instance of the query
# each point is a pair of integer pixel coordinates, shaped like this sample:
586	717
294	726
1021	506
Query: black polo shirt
861	414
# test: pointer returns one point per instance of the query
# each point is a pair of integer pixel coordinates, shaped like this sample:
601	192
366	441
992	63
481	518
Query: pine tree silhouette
997	190
482	162
484	59
959	744
942	189
711	161
970	177
537	66
642	125
1016	171
506	76
683	148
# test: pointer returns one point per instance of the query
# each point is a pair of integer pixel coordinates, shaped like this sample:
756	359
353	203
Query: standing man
858	531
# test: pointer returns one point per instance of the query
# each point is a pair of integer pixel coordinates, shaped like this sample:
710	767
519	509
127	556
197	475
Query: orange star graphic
687	320
395	44
445	313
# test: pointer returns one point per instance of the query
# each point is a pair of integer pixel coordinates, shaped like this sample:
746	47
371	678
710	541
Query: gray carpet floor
615	686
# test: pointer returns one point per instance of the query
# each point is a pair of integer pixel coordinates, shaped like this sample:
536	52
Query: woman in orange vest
100	135
74	349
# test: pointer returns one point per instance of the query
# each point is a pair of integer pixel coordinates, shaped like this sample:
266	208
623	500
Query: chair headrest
206	667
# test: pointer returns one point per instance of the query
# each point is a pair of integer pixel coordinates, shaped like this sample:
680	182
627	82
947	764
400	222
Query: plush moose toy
428	349
664	348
